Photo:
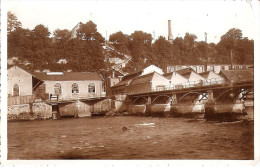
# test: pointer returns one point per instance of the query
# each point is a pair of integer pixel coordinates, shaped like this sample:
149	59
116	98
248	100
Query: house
65	85
204	68
212	78
193	78
238	75
21	82
175	79
151	69
149	82
72	85
120	88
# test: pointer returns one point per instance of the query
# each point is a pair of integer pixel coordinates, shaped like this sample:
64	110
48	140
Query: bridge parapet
193	85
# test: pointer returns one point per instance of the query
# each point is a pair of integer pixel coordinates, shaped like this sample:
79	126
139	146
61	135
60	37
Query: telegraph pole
231	60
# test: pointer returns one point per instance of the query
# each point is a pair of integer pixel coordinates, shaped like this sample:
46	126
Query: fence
54	98
189	84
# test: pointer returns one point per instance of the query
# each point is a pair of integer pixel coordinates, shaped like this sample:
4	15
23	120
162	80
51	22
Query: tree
229	40
164	52
61	35
40	36
89	32
233	42
189	41
120	41
12	22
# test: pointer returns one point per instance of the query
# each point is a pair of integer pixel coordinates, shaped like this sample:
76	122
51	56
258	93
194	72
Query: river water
130	137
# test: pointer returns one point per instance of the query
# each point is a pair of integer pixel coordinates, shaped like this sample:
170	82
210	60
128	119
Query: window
16	91
57	89
91	88
75	88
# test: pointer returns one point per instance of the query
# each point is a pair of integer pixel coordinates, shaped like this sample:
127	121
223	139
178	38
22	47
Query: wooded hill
36	50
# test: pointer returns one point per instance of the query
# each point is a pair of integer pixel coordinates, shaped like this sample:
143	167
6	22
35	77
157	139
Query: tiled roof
68	76
127	79
143	79
238	75
168	75
185	72
204	74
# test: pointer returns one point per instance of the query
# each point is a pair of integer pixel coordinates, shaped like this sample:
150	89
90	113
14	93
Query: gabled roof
205	74
168	75
69	76
26	71
143	79
185	72
127	79
238	75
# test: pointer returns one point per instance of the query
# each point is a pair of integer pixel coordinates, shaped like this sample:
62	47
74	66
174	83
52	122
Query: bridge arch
161	96
223	93
188	94
139	97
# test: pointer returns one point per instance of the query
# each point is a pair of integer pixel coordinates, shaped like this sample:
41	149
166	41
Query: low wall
136	109
29	111
165	109
84	109
226	112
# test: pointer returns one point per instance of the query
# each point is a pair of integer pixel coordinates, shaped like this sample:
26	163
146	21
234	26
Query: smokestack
169	31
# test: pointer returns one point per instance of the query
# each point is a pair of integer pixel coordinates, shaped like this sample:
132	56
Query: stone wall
29	111
84	109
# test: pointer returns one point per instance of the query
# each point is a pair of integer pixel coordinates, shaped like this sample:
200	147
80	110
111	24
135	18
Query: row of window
57	89
74	88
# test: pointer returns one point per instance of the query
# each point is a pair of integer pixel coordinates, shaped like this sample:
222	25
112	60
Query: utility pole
206	62
231	60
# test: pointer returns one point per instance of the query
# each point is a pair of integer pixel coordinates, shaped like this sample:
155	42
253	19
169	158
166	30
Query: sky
195	17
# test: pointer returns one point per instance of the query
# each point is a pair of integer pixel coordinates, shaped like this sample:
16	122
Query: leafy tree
230	39
40	36
61	35
12	22
120	41
164	52
89	32
189	41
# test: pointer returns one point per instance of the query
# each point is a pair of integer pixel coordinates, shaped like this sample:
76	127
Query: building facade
209	67
72	85
64	85
20	82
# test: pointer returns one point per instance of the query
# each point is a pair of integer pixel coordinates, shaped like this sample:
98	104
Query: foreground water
130	137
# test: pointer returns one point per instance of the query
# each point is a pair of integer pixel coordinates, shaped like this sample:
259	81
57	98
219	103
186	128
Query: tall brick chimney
170	39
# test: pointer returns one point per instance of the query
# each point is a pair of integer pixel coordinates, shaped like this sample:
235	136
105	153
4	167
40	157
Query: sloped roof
205	74
143	79
68	76
238	75
127	79
185	72
168	75
27	71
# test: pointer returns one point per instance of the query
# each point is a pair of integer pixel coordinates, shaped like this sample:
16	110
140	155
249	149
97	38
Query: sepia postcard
130	83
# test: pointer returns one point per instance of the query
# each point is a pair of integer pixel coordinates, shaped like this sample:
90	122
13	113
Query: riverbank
130	137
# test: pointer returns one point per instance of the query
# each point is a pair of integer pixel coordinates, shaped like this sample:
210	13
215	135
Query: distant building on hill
210	67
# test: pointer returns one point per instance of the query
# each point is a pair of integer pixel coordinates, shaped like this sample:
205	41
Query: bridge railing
189	84
54	98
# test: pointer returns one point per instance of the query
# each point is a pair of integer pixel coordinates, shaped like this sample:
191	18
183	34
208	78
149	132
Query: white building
151	69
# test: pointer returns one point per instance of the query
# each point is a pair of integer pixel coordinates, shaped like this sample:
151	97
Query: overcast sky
198	17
